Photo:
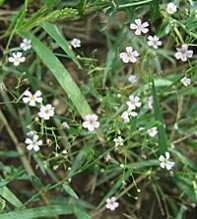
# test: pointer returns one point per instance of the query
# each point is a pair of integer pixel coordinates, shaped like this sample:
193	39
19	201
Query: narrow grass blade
9	196
69	191
48	211
158	117
61	74
134	4
187	186
55	33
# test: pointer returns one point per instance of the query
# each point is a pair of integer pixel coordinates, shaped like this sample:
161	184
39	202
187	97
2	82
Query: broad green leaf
55	33
61	74
158	117
47	211
9	196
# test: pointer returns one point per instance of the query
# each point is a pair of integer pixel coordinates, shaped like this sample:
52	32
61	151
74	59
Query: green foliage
76	171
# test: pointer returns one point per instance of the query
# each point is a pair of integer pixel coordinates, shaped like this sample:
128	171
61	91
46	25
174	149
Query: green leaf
54	32
9	196
134	4
47	211
80	160
158	116
80	214
186	161
186	186
69	190
61	74
2	204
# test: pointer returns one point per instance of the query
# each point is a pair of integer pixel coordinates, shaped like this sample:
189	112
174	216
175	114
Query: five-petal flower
33	143
16	58
130	55
91	122
165	162
139	27
183	53
32	99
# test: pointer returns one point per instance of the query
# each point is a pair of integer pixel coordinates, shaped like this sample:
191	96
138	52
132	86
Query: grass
76	170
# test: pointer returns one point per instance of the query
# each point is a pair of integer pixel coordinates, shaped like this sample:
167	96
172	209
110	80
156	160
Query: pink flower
111	203
183	53
130	55
139	27
91	122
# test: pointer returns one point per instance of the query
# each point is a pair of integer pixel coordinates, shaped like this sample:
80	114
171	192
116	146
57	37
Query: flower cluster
118	142
131	55
17	57
46	111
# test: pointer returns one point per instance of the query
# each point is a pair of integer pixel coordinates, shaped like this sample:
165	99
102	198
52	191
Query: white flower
125	117
152	132
133	103
25	44
46	112
139	27
34	143
16	58
186	81
150	102
171	8
32	99
91	122
129	56
183	53
118	141
65	125
165	161
76	43
133	79
133	113
154	42
111	203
